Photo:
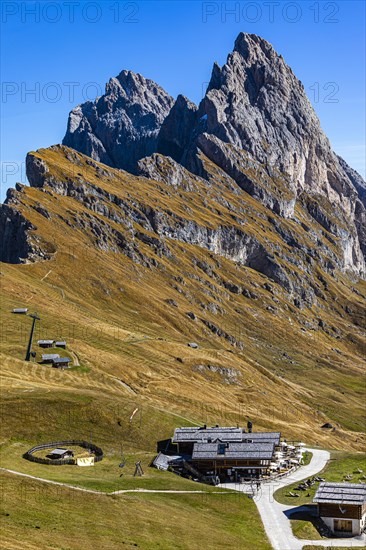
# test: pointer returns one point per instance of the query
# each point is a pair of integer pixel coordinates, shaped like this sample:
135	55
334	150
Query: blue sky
56	54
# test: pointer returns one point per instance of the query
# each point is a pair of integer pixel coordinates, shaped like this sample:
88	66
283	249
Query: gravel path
119	492
273	514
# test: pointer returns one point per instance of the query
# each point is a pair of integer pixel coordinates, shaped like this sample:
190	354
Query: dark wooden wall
333	511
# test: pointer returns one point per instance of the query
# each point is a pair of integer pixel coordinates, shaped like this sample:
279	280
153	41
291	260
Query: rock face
19	242
175	133
255	123
14	231
121	126
256	105
214	214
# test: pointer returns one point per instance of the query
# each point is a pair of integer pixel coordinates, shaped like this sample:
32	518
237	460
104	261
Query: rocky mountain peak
252	46
121	126
175	133
255	124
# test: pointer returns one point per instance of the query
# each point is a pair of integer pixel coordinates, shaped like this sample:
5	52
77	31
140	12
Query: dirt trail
119	492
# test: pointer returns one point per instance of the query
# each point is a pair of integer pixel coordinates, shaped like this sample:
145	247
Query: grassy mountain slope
260	357
120	296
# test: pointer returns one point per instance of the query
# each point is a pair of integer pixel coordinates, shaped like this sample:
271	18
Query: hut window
221	449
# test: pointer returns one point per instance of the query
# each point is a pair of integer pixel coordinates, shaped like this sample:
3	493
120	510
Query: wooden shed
342	507
49	357
61	362
46	343
60	344
58	454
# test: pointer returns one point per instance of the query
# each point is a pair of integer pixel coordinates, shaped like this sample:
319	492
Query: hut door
343	525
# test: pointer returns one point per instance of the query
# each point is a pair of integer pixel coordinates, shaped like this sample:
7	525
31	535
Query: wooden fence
97	451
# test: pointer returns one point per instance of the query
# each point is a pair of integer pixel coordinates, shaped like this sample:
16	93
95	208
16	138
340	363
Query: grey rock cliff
14	231
175	133
121	126
18	242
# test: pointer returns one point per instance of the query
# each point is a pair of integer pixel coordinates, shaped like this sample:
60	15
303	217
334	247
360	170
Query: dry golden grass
115	317
132	349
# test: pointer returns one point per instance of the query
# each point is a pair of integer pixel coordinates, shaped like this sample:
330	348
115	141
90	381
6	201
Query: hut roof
50	356
341	493
204	434
242	450
193	434
262	437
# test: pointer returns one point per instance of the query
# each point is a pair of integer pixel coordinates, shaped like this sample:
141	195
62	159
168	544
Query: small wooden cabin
46	343
60	344
342	507
61	362
49	357
58	454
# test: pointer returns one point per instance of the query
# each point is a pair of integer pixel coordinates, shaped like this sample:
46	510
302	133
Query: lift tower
29	349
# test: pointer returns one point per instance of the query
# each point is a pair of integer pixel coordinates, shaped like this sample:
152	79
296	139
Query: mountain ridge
255	104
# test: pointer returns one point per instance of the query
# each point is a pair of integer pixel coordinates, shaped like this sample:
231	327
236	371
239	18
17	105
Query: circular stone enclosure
84	445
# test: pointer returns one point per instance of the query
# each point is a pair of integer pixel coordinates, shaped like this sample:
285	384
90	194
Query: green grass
103	476
305	526
47	516
80	368
306	458
339	465
50	517
64	415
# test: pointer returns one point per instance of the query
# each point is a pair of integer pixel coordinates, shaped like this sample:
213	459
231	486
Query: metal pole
35	318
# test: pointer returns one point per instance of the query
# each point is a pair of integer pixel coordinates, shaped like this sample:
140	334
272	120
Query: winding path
273	514
118	492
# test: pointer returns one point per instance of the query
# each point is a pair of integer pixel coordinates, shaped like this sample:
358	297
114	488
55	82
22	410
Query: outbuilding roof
50	356
233	450
60	343
40	342
20	310
60	451
341	493
162	461
62	360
